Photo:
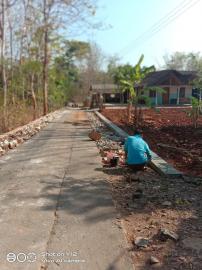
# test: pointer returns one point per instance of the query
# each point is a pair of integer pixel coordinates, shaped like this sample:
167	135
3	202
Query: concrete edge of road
157	163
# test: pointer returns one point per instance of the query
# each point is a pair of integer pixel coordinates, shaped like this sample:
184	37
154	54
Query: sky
126	20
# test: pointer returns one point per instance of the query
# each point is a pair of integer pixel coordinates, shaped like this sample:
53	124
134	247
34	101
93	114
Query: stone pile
109	144
17	136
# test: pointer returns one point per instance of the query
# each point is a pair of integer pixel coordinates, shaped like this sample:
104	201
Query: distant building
178	88
177	85
110	93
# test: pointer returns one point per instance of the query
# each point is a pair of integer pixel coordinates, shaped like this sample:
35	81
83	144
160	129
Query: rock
115	147
105	160
153	198
13	144
5	145
141	242
103	153
20	140
37	128
166	234
138	194
114	138
154	260
106	148
133	205
121	152
2	151
94	135
167	203
26	138
134	178
194	243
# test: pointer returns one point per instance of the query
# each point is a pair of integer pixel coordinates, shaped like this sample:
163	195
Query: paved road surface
54	201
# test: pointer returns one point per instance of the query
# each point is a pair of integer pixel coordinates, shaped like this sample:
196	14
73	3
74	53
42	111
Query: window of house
182	92
152	93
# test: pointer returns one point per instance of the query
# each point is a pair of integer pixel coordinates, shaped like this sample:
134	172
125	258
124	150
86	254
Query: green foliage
155	88
75	51
157	110
130	78
195	112
197	82
63	74
146	99
31	66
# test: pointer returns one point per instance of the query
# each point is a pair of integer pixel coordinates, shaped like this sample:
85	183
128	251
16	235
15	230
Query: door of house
165	96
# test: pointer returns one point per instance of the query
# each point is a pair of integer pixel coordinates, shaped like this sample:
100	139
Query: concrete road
56	210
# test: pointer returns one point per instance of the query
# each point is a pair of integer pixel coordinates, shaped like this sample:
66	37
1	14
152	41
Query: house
177	86
111	93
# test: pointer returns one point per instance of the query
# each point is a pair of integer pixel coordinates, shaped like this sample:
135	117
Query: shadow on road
89	199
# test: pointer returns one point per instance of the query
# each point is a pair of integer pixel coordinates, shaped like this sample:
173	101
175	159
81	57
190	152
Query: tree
183	61
31	69
31	44
136	75
54	14
132	83
76	51
3	69
129	79
113	63
91	71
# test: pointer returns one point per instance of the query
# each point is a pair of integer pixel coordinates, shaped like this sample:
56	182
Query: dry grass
17	115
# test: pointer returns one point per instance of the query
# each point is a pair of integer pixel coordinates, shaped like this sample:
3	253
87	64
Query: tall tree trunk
136	116
11	54
129	111
129	107
23	89
45	62
33	97
11	63
3	71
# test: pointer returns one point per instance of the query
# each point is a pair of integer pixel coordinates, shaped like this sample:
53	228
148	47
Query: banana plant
131	84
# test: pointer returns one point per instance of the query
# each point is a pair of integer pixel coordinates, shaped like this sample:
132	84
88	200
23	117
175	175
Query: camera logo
21	257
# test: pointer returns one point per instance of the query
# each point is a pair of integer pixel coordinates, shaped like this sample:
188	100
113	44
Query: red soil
172	128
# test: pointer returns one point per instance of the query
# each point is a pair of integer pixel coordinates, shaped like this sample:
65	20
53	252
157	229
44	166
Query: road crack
45	265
